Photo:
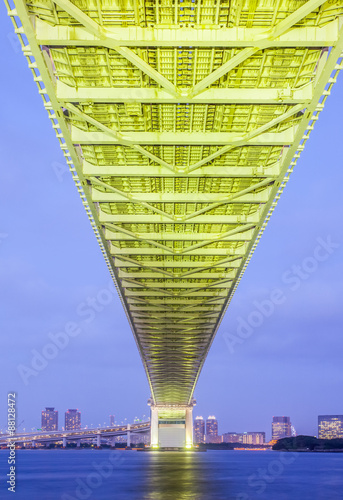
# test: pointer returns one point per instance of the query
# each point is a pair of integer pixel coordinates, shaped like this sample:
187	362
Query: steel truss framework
181	122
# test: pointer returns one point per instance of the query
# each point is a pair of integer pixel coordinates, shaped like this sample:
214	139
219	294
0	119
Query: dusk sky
51	265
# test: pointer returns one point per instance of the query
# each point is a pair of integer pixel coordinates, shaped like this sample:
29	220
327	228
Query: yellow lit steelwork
181	122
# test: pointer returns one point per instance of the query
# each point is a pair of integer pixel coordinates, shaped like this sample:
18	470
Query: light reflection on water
177	476
214	475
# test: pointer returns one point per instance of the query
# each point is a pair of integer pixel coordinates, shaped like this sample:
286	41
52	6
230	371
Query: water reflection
181	476
215	475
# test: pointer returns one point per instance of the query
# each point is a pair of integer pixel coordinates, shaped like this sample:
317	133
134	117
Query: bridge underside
181	122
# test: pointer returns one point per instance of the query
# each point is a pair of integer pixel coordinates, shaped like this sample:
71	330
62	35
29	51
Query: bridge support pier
64	442
78	443
98	440
33	444
189	427
171	426
113	442
154	427
128	442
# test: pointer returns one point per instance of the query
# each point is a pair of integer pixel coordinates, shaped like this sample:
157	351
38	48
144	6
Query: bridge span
64	437
181	122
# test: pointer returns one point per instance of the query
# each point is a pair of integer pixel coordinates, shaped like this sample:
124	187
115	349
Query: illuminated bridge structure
181	122
47	437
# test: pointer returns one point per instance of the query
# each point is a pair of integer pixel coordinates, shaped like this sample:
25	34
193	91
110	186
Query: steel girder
181	123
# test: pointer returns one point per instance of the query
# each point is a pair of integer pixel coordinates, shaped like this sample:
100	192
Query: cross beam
136	36
147	95
181	138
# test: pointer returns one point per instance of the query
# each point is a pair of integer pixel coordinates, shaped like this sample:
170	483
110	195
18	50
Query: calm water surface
130	475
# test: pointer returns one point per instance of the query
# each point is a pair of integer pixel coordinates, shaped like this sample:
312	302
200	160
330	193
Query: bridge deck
85	433
181	122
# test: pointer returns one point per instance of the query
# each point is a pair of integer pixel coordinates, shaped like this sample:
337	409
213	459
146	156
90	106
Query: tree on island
310	443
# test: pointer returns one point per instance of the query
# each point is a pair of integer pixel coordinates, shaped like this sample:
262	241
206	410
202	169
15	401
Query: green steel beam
180	140
147	95
137	36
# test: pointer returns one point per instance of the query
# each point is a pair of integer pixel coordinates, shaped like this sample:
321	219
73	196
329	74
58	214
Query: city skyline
328	426
48	288
205	432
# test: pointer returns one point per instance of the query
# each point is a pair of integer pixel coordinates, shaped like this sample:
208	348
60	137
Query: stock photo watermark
11	428
292	280
259	480
60	169
87	311
101	471
3	237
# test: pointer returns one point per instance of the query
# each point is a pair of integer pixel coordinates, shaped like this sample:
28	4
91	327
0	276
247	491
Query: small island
309	443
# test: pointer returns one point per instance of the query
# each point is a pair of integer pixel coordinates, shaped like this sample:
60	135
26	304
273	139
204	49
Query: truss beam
185	139
159	171
111	235
234	263
146	95
160	219
102	197
135	36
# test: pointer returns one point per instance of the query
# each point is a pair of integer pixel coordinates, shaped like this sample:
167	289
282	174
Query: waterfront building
211	426
232	437
49	420
213	439
72	420
140	437
254	438
245	437
199	430
281	427
330	426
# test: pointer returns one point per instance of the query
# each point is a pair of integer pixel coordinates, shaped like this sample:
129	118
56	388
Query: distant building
199	430
213	439
330	426
232	437
281	427
245	437
111	420
49	419
72	420
211	426
139	437
254	437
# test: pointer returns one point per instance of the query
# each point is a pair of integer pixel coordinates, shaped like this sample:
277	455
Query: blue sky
51	266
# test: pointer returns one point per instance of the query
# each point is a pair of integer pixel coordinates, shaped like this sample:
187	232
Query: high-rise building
49	419
281	427
111	420
211	426
199	430
72	420
330	426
